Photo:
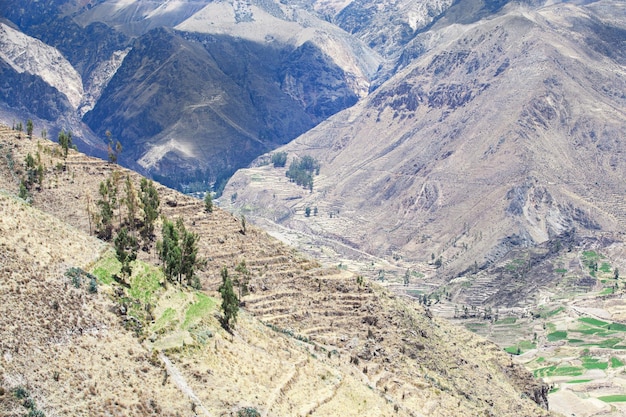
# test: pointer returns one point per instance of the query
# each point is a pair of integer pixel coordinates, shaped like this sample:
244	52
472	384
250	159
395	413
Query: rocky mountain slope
276	68
310	340
506	135
241	79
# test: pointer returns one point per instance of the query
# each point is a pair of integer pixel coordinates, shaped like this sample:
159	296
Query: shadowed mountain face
192	104
508	135
180	100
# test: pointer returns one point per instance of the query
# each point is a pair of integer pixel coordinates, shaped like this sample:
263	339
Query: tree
243	225
230	303
132	204
29	128
178	251
307	212
126	250
616	273
279	159
114	148
65	140
169	250
104	225
407	277
208	202
242	279
150	204
189	253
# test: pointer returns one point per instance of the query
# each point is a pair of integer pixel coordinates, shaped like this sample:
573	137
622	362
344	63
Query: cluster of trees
132	213
178	251
279	159
33	174
301	171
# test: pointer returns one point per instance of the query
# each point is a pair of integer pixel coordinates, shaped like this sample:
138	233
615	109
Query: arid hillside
506	135
76	339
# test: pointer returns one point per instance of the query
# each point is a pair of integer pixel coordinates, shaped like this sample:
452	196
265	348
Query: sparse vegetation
230	303
178	252
301	171
208	202
279	159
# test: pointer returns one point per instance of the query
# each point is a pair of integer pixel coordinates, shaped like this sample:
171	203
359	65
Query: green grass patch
592	321
607	343
540	359
605	267
607	291
578	381
515	264
554	312
618	398
561	271
555	370
521	347
617	327
590	255
166	321
106	267
145	282
558	335
575	341
594	363
616	363
198	310
508	320
553	390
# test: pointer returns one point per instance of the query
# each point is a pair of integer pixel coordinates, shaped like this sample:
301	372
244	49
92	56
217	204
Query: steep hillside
505	136
193	90
310	339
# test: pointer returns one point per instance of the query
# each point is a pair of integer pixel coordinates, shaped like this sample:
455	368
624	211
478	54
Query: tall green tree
242	279
132	203
169	250
29	128
104	221
208	202
126	250
230	303
188	253
65	140
150	204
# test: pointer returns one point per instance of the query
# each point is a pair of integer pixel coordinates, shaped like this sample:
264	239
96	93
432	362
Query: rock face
505	135
231	81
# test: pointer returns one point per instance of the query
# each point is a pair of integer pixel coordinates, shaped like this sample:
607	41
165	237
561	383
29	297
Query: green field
613	398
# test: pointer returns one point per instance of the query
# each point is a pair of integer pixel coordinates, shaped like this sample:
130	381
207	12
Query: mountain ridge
463	142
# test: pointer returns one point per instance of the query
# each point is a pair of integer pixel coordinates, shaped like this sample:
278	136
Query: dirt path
180	382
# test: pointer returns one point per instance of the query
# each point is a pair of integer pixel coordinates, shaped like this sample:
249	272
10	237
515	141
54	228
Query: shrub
248	412
279	159
93	286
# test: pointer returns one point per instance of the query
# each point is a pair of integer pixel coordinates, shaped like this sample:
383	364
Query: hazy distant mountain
507	133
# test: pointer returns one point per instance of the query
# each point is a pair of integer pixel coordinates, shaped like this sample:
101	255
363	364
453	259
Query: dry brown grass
310	340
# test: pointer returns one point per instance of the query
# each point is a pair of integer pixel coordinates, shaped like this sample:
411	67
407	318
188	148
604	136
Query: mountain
504	135
241	78
77	339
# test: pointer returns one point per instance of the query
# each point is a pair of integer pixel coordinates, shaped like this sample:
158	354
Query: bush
93	286
279	159
248	412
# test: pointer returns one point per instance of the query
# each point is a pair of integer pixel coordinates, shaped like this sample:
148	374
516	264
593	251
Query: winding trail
180	382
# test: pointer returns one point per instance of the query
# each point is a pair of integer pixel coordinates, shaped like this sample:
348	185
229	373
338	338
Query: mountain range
507	133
